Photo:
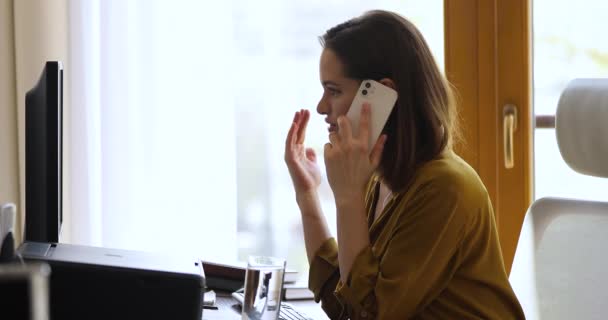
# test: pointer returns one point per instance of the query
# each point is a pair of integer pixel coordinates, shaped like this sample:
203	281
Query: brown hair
381	44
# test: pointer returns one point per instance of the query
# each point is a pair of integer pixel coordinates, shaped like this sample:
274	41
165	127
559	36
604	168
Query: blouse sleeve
419	259
323	278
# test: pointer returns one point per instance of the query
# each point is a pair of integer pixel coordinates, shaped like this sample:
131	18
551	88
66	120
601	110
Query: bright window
567	45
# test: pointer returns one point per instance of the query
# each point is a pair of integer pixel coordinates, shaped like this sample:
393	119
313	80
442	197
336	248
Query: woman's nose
322	107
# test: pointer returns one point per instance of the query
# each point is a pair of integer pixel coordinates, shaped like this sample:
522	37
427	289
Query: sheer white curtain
180	112
152	127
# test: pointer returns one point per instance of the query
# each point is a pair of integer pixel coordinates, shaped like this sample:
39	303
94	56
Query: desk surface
225	312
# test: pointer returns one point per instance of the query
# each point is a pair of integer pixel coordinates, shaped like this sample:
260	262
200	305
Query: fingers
297	131
293	131
344	129
364	122
304	117
376	154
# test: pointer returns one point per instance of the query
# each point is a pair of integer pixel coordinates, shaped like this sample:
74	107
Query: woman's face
338	90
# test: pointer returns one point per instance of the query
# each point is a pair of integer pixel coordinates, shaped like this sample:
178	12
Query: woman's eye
333	92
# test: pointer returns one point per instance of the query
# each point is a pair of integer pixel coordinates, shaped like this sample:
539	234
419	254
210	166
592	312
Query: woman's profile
415	226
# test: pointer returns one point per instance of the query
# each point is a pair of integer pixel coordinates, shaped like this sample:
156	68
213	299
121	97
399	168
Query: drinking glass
263	284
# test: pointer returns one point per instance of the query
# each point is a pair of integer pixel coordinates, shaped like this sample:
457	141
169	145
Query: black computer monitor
43	156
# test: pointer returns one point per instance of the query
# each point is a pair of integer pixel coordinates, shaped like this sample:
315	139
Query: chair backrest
560	269
581	126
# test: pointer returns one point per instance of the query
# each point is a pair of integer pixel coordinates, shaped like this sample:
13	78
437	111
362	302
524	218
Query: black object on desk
7	248
99	283
24	291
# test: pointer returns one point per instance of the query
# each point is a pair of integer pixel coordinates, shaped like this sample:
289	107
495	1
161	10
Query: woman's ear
389	83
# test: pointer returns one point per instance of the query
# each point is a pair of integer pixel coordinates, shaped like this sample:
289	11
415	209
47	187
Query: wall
9	168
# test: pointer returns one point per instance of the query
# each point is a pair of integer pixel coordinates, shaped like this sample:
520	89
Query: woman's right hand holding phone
301	161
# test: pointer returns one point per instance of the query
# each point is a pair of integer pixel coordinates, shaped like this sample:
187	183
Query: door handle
509	126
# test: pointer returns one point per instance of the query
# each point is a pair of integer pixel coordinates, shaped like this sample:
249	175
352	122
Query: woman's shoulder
450	175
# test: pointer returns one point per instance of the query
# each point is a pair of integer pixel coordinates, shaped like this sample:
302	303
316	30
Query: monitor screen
43	156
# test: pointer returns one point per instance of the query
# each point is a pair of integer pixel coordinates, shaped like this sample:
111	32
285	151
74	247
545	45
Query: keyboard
288	312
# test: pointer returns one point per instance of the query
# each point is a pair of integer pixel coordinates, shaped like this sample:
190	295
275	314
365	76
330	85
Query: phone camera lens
364	92
367	85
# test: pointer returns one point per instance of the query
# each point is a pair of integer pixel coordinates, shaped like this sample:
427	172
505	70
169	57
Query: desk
226	312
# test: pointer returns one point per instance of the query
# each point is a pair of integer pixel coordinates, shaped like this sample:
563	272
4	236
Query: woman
416	228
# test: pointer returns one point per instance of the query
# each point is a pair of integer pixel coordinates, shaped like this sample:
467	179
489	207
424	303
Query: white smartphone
382	100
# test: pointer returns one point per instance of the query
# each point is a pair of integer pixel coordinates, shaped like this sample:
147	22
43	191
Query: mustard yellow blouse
433	254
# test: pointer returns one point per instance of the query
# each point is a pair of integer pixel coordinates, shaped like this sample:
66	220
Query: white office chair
560	269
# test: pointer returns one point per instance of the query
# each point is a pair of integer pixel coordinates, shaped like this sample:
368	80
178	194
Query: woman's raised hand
301	161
